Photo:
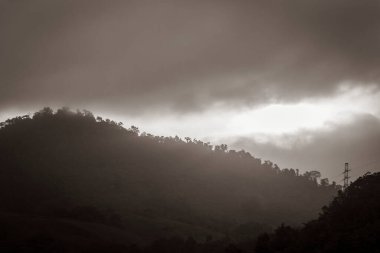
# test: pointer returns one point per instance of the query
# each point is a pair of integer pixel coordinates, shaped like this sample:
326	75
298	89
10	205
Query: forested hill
75	166
351	223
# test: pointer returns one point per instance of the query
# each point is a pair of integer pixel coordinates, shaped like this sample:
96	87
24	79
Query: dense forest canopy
72	165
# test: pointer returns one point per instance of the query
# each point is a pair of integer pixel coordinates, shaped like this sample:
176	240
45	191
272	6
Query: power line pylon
346	177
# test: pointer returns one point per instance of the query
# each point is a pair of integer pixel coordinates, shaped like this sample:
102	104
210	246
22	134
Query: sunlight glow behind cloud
263	123
219	123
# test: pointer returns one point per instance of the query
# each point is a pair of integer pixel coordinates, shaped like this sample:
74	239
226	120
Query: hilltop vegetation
72	166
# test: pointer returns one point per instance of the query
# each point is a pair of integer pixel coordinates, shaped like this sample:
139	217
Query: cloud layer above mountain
183	56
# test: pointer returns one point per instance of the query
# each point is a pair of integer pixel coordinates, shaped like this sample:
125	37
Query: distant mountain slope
351	223
71	165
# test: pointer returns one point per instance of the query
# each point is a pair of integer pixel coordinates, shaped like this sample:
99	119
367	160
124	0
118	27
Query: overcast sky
296	82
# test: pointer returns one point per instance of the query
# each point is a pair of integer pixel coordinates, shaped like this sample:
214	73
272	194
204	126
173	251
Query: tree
45	112
135	130
314	175
324	182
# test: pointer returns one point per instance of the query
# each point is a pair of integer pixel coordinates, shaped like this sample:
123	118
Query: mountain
74	172
351	223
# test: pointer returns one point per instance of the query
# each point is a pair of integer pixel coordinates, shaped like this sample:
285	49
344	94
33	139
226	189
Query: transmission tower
346	177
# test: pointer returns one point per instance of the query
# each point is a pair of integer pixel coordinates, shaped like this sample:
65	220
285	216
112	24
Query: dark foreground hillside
351	223
70	179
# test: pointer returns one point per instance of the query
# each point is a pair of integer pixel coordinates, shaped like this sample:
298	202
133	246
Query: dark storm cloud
357	143
183	55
